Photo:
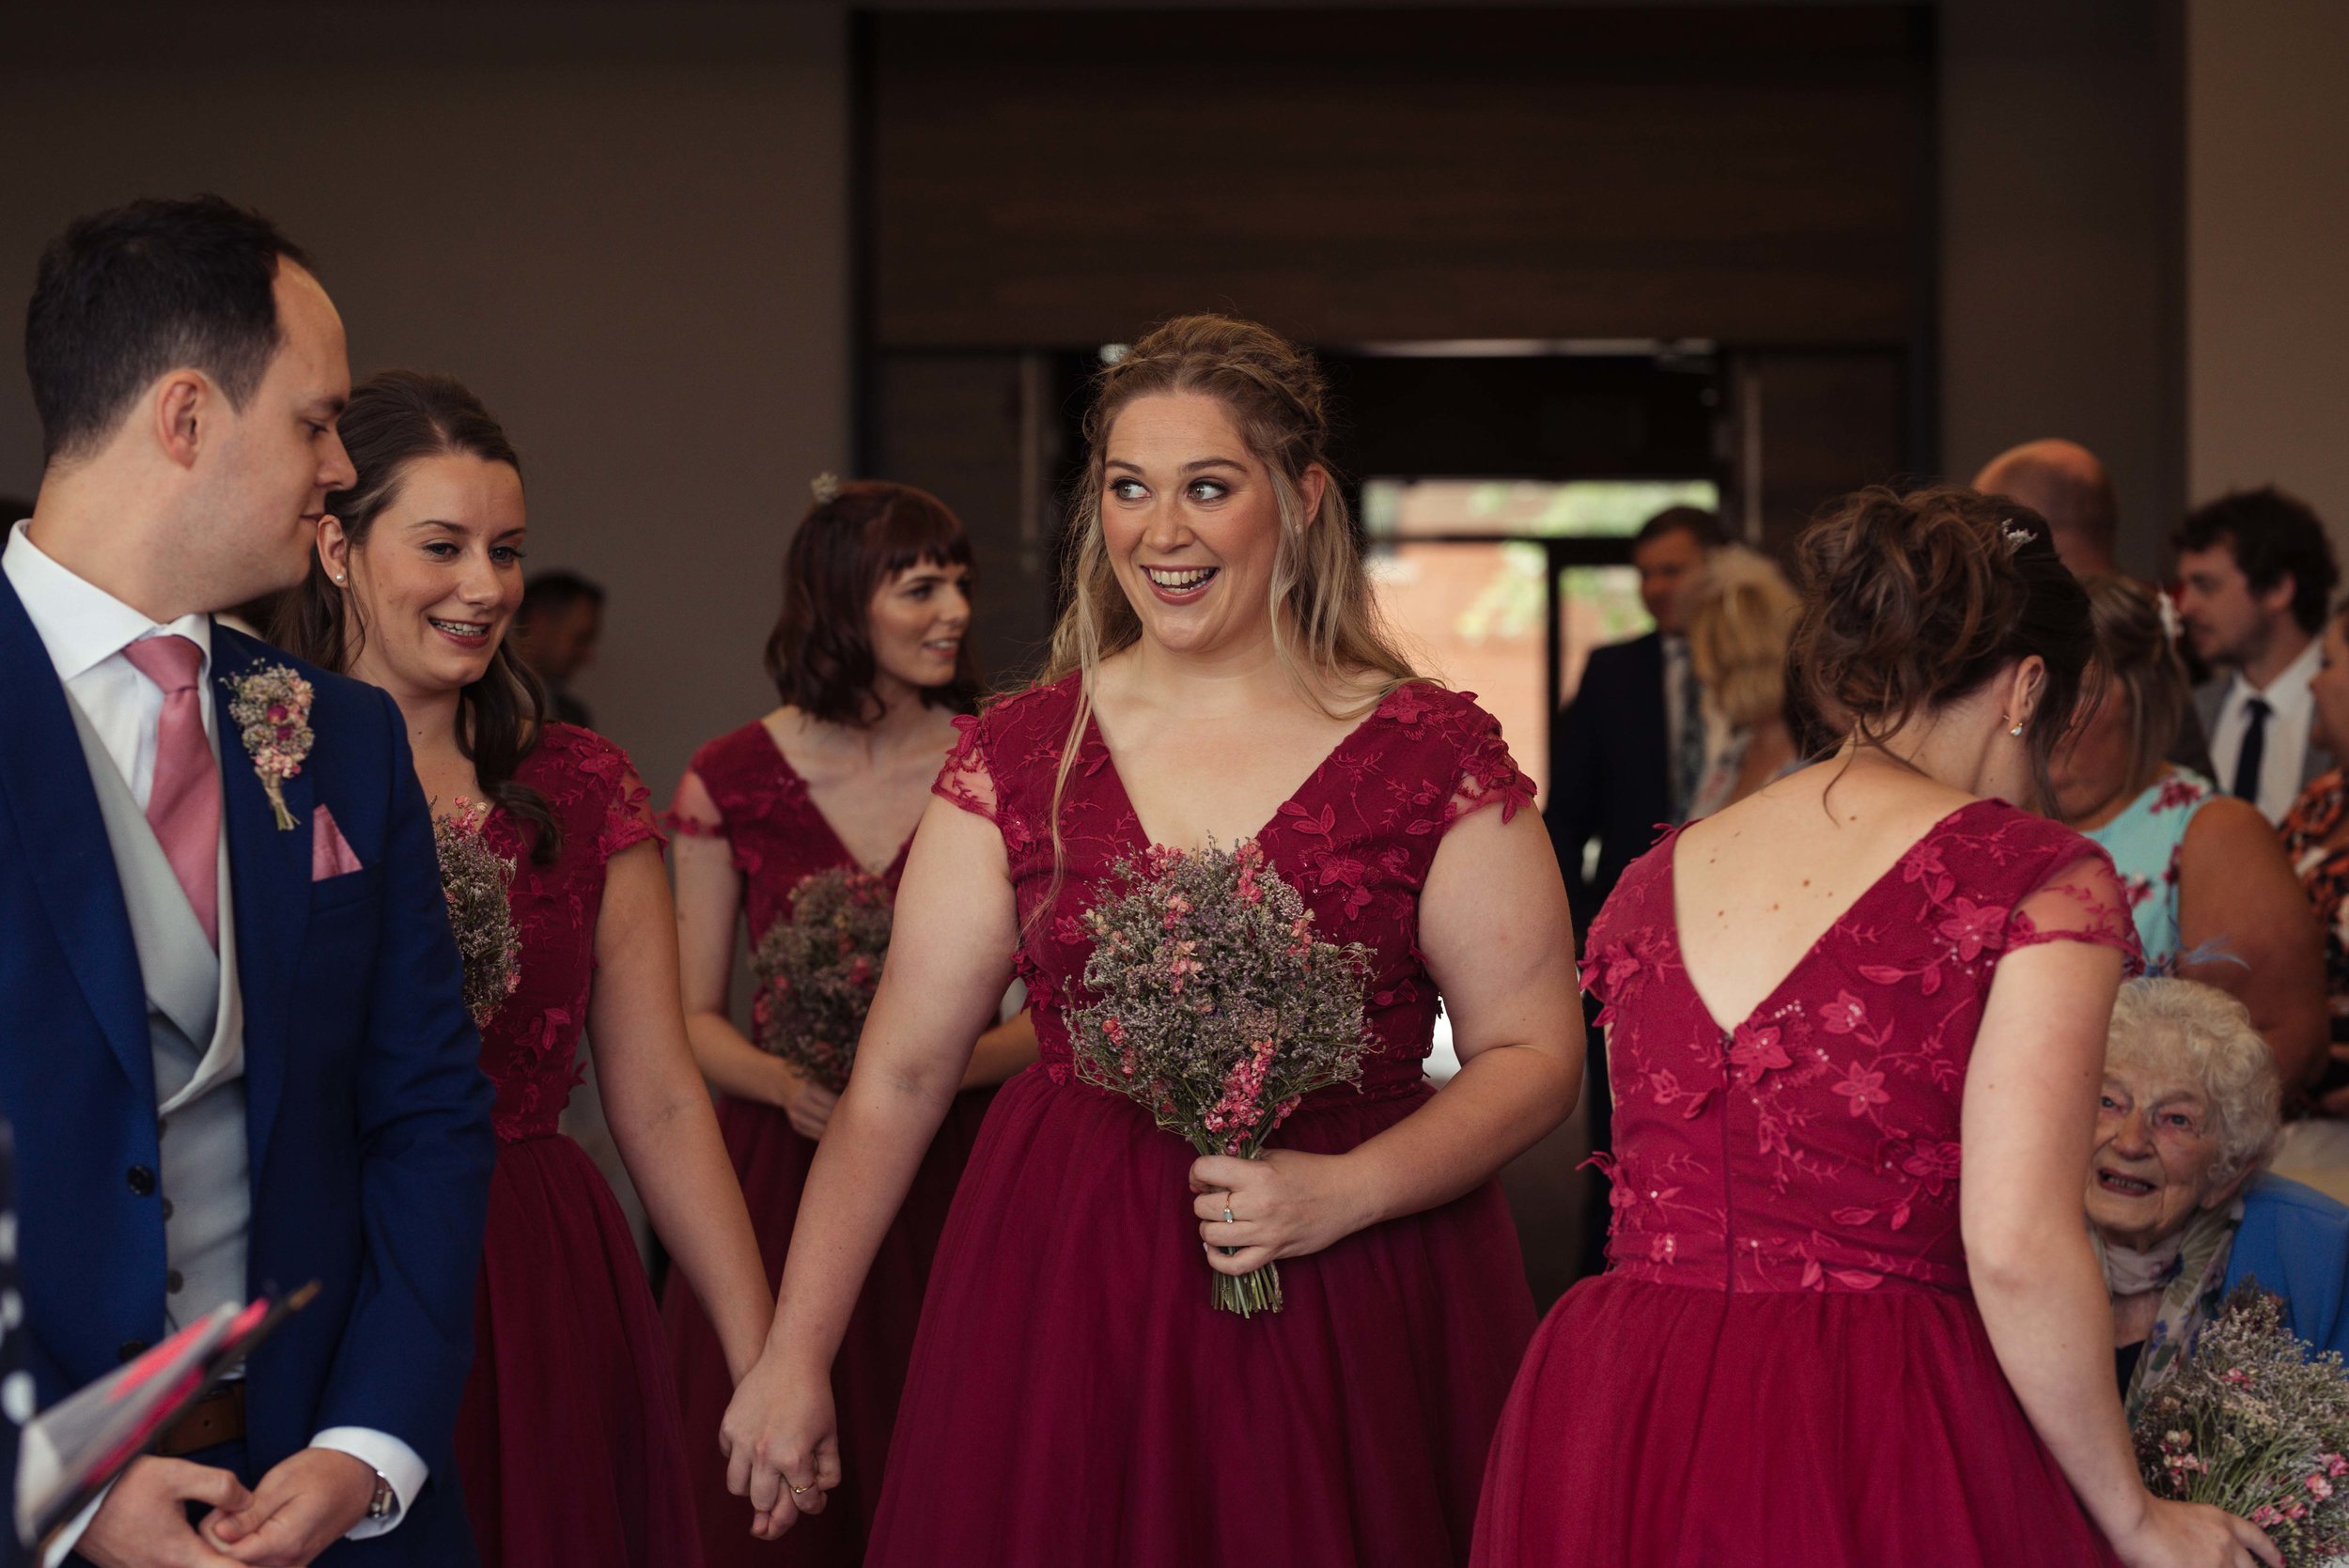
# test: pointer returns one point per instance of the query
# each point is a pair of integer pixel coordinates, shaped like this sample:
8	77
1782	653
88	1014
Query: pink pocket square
330	852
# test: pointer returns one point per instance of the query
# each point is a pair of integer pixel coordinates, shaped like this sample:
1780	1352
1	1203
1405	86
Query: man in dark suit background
1626	755
231	1032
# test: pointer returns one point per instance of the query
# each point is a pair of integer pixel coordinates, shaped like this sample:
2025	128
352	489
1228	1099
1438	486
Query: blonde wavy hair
1740	620
1325	620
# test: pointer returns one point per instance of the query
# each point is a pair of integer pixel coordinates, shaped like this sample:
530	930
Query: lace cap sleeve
1488	774
694	810
968	779
2079	901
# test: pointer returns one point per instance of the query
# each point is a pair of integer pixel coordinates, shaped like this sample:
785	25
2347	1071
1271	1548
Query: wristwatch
385	1502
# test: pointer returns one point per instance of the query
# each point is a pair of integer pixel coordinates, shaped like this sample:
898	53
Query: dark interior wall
2062	249
624	226
1755	175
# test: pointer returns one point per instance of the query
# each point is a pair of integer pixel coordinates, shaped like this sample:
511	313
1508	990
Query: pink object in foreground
330	854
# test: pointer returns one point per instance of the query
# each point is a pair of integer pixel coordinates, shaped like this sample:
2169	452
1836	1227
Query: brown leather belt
217	1418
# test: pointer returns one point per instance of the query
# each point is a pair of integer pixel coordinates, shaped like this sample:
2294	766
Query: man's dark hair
1705	524
552	593
2273	536
127	295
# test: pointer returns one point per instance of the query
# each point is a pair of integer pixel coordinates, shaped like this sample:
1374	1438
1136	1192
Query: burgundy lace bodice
530	1048
1356	839
1814	1145
760	805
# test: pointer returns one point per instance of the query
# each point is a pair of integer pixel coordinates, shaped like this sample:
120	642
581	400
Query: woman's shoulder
570	762
739	750
1044	707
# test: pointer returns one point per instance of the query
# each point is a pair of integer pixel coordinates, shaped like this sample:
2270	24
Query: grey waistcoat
195	1030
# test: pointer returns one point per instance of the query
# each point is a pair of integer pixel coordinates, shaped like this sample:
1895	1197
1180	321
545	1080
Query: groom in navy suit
231	1039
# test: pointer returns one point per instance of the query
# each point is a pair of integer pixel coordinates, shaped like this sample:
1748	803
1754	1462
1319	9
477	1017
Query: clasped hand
782	1443
307	1503
1284	1204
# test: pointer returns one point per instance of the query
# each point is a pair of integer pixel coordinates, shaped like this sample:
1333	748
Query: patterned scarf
2193	1278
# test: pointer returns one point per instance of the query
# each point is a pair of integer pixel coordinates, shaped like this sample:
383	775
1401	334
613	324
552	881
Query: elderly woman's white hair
2184	1029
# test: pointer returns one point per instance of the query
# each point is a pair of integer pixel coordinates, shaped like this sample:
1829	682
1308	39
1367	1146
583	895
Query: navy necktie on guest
2254	751
1688	764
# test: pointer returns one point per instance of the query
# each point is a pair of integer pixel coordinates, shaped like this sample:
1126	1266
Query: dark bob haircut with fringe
820	655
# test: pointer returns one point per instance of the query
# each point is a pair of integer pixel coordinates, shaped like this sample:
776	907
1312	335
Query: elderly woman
2213	896
2178	1204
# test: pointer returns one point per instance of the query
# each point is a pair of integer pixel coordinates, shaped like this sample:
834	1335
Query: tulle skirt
567	1441
773	1160
1075	1400
1670	1426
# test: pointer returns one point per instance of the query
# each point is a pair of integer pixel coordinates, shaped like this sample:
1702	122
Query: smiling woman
415	579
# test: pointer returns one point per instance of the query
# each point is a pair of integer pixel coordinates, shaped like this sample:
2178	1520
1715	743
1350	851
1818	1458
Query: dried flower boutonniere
270	706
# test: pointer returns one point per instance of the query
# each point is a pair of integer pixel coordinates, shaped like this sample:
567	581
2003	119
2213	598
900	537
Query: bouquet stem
1258	1291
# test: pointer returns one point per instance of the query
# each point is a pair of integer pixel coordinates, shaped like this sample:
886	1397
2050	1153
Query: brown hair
2134	652
820	654
1913	602
394	419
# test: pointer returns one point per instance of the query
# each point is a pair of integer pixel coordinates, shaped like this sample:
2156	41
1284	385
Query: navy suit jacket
1610	768
366	1111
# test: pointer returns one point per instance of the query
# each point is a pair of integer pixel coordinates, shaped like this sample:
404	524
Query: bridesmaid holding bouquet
1075	1398
567	1444
869	658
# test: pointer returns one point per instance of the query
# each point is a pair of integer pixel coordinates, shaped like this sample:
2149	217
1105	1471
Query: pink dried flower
1222	1034
818	968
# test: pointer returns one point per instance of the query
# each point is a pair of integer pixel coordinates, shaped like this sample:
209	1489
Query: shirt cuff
385	1454
71	1536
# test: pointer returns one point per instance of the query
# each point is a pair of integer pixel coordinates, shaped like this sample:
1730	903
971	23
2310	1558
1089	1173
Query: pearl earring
2016	732
338	577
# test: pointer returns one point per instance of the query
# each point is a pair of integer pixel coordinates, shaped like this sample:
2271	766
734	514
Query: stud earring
339	579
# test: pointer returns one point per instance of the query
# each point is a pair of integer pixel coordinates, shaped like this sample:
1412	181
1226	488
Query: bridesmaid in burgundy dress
1075	1399
1857	1026
567	1444
870	661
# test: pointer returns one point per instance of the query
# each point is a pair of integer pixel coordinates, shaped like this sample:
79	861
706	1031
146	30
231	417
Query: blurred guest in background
2177	1202
1741	617
872	660
556	632
2065	483
2213	896
2316	839
1627	753
2255	572
568	1442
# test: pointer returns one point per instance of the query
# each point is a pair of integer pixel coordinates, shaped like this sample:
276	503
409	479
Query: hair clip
2171	626
2017	536
825	488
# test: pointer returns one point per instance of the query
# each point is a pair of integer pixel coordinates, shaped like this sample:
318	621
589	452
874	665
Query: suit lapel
46	787
268	870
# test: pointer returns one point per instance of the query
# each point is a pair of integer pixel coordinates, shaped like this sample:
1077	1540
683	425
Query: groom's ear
183	408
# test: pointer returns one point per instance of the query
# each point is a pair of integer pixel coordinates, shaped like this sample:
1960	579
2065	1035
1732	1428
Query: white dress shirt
2291	712
85	629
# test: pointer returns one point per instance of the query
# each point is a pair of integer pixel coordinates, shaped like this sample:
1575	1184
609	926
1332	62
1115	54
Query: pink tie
183	808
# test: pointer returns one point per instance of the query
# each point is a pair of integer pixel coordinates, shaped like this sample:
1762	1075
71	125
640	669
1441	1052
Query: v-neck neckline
807	797
1883	880
1094	738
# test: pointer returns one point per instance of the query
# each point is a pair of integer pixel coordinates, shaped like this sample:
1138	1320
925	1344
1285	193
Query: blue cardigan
2295	1241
